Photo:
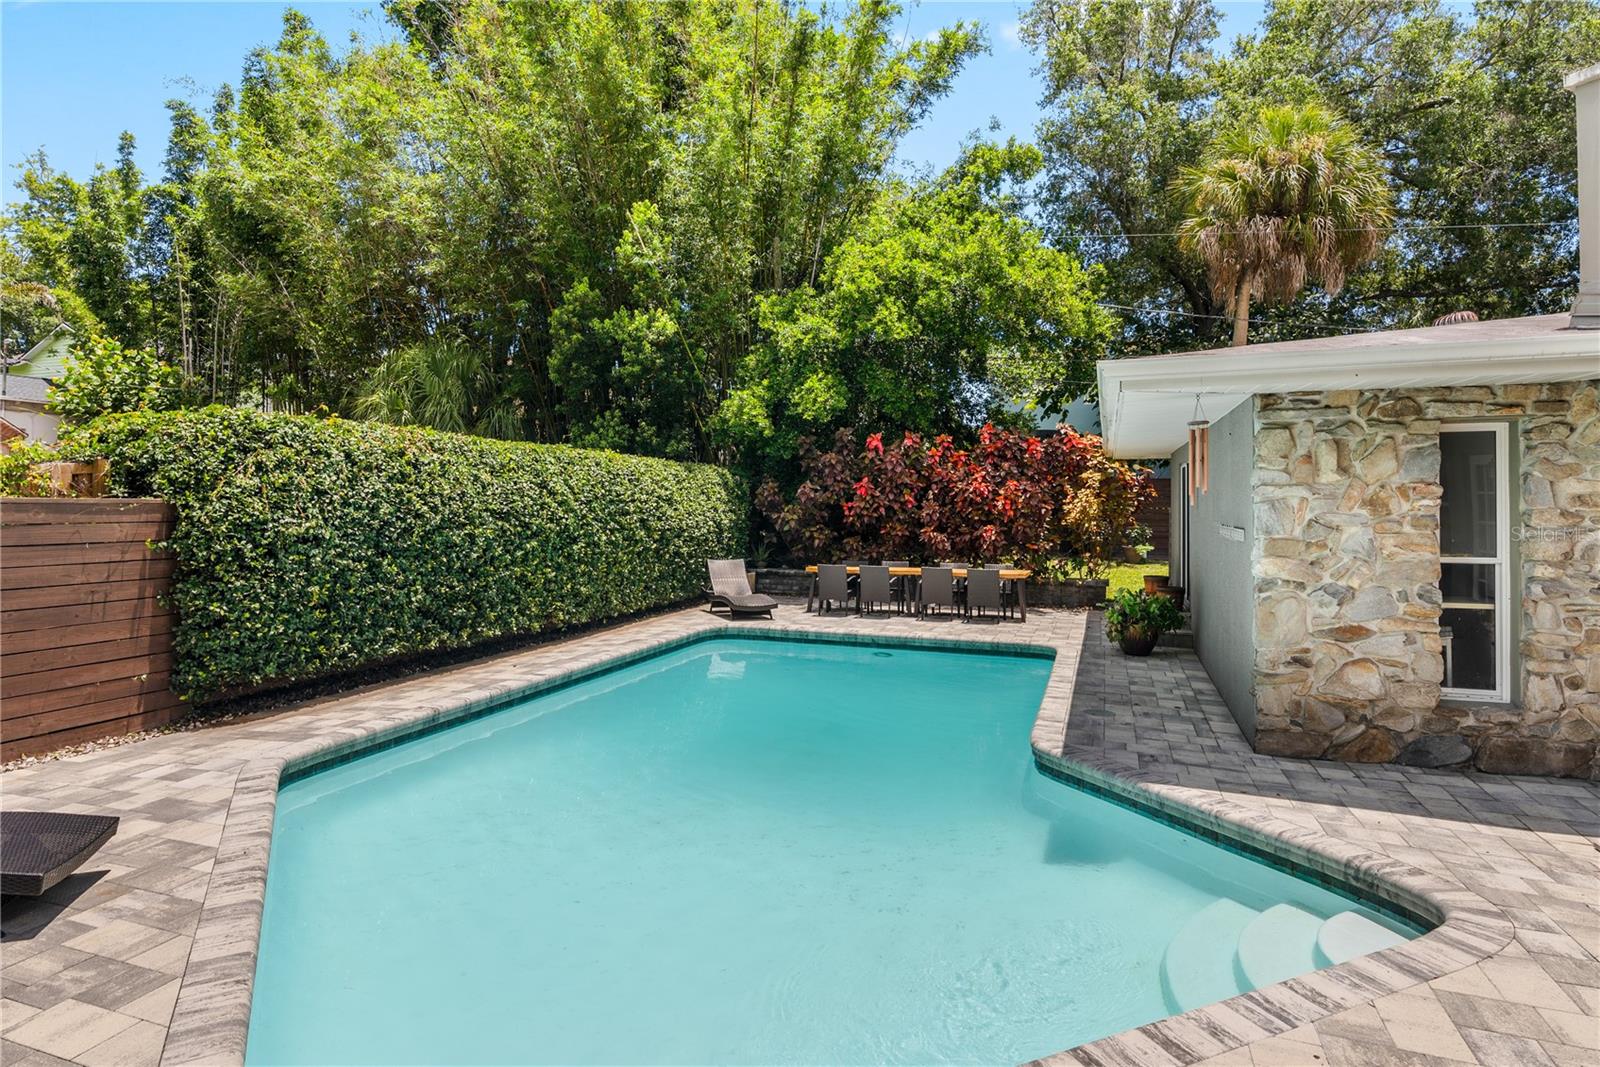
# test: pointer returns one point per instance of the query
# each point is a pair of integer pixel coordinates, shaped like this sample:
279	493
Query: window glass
1468	511
1470	656
1467	583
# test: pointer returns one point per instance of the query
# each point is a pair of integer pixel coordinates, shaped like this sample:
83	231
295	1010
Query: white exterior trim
1140	399
1501	561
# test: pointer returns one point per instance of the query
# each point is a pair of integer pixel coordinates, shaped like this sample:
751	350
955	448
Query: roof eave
1560	355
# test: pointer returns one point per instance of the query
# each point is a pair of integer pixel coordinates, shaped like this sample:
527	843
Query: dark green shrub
309	546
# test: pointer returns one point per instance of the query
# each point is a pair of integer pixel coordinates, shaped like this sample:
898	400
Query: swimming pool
747	851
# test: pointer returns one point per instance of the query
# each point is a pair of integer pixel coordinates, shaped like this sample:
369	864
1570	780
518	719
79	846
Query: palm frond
445	385
1287	196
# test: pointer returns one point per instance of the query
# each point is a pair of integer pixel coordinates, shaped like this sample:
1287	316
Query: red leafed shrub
1012	496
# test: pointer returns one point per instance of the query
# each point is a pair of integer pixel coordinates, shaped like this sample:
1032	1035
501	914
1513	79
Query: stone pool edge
210	1021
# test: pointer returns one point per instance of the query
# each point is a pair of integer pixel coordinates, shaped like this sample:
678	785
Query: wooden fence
85	642
1157	514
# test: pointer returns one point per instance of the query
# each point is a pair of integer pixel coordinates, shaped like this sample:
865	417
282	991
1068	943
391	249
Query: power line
1118	234
1226	318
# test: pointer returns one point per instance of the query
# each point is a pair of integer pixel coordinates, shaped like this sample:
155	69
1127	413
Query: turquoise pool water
749	851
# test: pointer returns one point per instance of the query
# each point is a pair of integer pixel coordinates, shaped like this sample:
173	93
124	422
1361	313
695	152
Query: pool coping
210	1021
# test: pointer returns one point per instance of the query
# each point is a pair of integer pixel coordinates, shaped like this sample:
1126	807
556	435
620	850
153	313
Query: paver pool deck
147	954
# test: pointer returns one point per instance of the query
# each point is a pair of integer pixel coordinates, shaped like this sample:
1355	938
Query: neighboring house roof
1146	403
23	388
48	358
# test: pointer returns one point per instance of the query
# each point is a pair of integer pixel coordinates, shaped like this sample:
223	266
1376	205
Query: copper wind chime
1199	452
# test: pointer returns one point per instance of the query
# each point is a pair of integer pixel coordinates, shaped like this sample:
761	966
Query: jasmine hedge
309	546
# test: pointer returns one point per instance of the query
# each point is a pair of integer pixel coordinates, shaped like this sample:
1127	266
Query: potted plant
1136	621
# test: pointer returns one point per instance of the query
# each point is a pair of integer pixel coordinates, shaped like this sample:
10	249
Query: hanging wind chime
1199	452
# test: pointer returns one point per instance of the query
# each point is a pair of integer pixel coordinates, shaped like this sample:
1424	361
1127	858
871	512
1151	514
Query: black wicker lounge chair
39	848
731	589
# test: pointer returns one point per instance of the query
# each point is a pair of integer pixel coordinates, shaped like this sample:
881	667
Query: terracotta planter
1138	642
1173	593
1154	583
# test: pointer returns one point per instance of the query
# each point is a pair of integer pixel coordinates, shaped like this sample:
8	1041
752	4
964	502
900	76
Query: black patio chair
1007	593
900	583
961	583
983	590
833	586
937	589
876	587
855	579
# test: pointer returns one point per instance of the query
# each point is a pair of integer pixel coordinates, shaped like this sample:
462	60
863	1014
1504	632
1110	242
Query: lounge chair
731	589
40	848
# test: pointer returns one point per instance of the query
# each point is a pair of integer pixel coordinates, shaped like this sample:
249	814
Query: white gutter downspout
1585	85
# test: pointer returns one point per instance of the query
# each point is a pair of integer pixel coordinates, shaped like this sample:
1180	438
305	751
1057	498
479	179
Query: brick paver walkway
146	956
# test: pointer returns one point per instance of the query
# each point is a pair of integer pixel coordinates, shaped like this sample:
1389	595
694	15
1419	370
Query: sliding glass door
1474	548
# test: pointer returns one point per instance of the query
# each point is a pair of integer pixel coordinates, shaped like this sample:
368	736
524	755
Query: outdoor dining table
1008	574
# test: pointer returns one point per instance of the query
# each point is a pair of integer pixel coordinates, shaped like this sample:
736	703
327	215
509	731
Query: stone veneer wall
1348	660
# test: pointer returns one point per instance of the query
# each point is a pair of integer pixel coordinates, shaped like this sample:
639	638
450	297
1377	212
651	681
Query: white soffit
1146	403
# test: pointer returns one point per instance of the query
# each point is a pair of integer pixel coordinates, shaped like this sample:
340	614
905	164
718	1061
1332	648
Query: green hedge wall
309	546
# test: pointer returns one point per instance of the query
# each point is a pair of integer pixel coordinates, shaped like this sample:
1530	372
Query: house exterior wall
35	423
1218	586
1348	658
22	403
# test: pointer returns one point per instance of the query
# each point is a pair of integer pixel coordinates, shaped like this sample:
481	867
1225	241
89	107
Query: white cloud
1011	33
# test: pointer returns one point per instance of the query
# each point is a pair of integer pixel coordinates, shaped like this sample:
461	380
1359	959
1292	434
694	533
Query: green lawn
1129	576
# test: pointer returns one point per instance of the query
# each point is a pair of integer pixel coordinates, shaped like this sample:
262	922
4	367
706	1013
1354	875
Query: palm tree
445	385
1287	195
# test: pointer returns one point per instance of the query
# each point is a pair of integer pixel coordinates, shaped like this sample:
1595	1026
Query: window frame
1501	562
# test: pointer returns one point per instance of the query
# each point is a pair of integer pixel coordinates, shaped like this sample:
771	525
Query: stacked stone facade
1348	656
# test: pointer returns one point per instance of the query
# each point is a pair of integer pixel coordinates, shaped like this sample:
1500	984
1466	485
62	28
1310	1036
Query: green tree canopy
600	223
946	307
1466	108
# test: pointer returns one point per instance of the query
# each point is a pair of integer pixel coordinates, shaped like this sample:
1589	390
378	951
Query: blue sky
75	75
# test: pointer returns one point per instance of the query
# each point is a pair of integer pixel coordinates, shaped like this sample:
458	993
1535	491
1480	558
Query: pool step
1198	968
1228	948
1348	935
1279	943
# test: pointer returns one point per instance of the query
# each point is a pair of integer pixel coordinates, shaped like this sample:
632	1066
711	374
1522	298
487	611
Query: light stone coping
210	1022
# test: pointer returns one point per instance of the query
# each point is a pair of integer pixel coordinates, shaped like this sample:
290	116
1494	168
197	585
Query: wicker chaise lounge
731	589
40	848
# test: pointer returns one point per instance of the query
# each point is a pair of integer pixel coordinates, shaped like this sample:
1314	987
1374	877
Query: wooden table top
1009	574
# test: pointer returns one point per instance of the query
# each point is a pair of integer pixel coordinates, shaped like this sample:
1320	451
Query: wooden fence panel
1157	514
85	638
